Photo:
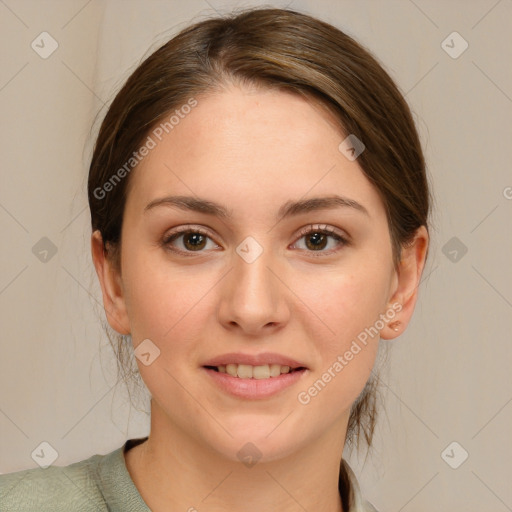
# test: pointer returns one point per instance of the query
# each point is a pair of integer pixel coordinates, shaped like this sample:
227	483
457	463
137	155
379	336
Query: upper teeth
246	371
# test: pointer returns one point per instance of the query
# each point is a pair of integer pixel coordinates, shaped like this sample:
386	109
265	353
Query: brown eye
317	238
316	241
194	241
188	241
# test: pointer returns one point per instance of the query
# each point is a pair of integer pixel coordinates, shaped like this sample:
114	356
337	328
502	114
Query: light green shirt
101	483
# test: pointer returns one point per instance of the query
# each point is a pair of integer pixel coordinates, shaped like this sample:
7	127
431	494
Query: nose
253	296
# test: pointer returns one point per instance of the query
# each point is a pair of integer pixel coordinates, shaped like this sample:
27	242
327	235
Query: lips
248	386
254	376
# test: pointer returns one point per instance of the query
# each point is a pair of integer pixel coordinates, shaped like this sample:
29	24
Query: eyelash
304	232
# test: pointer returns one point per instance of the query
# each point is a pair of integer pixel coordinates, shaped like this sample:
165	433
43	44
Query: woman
259	208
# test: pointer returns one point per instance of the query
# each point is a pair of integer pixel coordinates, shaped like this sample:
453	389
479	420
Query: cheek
349	305
345	301
159	296
163	305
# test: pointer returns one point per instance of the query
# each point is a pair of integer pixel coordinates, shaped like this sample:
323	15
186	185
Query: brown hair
272	48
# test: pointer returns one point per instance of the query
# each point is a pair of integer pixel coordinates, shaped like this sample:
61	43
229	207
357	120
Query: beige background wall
448	377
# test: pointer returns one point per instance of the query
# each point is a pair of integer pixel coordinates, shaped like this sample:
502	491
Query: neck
174	471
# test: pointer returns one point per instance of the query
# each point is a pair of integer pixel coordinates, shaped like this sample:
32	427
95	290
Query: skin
251	150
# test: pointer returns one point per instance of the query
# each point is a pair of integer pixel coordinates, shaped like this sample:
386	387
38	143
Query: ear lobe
408	278
111	287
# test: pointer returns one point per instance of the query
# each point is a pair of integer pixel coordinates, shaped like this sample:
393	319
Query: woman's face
252	287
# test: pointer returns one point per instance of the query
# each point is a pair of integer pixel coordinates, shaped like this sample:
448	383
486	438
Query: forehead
250	144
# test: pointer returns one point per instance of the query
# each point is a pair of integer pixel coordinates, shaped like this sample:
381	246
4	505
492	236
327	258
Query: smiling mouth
246	371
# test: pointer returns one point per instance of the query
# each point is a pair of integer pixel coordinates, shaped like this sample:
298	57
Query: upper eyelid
188	228
322	227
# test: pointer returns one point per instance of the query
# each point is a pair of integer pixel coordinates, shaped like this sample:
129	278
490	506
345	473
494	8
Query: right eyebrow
191	204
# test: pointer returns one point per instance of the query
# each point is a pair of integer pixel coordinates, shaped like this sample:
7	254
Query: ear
407	278
111	287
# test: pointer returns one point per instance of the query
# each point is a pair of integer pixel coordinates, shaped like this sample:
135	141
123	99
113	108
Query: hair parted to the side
269	48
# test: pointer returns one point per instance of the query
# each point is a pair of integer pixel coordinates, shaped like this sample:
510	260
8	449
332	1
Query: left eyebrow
319	203
288	209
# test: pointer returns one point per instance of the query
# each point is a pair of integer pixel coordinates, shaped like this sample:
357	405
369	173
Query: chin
257	439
